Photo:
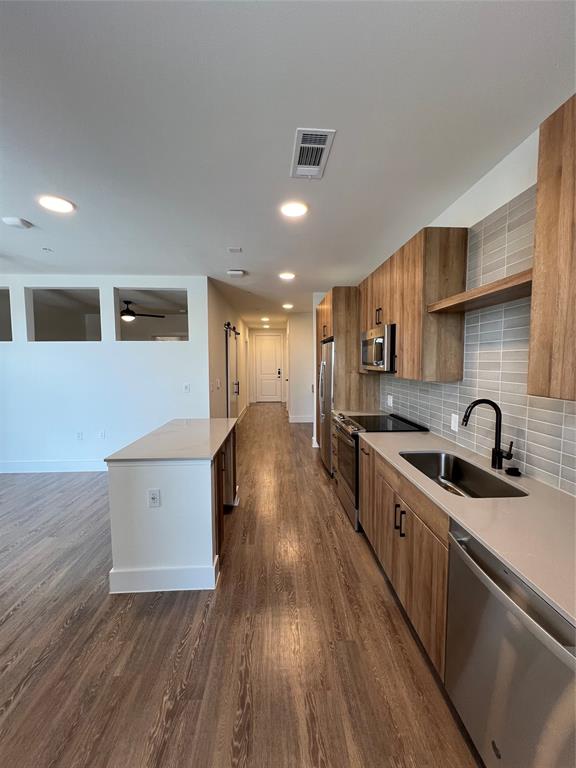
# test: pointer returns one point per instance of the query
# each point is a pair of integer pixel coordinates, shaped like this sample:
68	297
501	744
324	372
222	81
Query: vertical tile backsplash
496	363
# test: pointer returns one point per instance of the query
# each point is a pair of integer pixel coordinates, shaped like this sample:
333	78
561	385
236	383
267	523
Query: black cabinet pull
402	516
396	521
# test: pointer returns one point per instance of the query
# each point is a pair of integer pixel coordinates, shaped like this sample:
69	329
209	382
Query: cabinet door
553	316
401	552
365	289
409	280
424	582
366	479
328	314
386	514
378	296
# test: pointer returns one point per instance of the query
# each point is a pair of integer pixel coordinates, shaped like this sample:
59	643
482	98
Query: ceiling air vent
311	150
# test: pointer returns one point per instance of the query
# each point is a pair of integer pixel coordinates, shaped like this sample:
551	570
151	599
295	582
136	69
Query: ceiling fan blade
143	314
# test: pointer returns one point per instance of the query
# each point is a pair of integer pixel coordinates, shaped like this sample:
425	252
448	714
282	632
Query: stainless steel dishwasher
510	663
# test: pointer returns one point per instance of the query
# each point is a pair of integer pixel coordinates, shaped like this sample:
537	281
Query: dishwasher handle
562	653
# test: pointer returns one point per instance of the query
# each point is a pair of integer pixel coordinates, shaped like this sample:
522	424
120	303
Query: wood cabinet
413	557
366	510
428	566
552	362
378	294
324	315
429	267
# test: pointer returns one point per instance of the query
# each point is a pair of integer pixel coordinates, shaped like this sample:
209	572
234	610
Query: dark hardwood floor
300	658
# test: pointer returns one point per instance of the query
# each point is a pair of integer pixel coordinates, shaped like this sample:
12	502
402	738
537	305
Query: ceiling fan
128	315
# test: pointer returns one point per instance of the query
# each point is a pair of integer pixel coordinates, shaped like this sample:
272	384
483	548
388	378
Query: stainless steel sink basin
459	477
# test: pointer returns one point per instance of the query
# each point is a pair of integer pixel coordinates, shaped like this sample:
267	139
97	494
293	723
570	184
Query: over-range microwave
378	349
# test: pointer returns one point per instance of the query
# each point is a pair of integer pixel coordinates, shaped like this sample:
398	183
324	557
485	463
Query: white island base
188	468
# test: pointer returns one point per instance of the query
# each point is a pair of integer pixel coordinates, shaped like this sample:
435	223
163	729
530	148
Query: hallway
301	657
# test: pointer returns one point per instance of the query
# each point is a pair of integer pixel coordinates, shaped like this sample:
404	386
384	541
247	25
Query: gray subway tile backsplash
496	363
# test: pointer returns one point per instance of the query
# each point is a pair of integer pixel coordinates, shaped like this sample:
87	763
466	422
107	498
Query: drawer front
426	510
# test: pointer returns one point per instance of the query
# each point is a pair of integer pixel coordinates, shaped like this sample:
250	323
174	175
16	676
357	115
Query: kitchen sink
460	477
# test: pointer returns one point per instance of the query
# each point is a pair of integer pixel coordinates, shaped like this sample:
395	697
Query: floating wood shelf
507	289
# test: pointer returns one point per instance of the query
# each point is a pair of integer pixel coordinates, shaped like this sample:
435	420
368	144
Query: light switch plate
154	497
454	421
390	401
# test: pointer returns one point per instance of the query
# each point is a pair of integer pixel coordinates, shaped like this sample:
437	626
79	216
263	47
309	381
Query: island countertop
178	440
534	535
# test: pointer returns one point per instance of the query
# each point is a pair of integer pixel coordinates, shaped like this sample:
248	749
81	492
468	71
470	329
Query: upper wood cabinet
552	362
324	316
429	267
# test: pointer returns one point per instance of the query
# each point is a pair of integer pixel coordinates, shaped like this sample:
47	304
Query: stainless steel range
347	429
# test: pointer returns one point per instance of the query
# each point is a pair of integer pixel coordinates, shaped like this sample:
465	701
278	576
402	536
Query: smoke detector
236	272
311	150
14	221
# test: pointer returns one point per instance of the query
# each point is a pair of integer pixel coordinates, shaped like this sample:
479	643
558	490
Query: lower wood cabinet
412	556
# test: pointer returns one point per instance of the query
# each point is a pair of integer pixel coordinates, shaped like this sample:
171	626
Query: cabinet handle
396	522
324	330
366	453
402	516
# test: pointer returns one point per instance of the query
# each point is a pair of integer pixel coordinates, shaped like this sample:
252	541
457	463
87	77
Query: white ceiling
171	126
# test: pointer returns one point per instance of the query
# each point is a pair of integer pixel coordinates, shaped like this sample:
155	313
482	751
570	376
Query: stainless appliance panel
347	477
325	393
377	349
510	664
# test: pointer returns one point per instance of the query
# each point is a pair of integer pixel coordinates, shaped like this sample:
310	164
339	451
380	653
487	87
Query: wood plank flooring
300	658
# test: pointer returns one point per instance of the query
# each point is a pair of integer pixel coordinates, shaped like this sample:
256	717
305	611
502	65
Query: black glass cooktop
387	422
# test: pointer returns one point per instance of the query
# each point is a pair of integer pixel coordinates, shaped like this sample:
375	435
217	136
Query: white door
268	364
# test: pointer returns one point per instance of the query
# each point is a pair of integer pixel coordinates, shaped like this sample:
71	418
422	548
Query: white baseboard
66	465
300	419
163	579
315	443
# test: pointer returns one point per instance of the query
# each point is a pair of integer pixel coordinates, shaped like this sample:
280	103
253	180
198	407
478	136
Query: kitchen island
167	493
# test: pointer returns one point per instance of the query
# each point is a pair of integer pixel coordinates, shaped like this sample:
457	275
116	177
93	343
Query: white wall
220	312
514	174
300	335
108	393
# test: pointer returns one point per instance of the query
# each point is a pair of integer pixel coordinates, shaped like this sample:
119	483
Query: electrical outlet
186	388
454	421
101	435
79	435
390	401
154	497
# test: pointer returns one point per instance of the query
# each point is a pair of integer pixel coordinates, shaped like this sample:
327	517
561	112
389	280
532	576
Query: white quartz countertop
534	535
179	439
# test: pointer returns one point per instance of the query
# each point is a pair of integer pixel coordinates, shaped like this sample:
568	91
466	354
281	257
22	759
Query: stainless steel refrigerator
326	399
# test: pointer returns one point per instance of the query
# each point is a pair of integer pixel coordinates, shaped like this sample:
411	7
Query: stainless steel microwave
378	349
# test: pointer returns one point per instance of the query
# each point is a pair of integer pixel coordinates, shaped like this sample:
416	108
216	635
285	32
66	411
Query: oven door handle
345	437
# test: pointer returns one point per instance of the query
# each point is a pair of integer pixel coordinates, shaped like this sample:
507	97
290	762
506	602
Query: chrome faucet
497	453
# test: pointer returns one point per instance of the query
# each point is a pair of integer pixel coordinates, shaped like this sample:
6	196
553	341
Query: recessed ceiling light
286	275
287	306
265	326
264	319
293	209
15	221
56	204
